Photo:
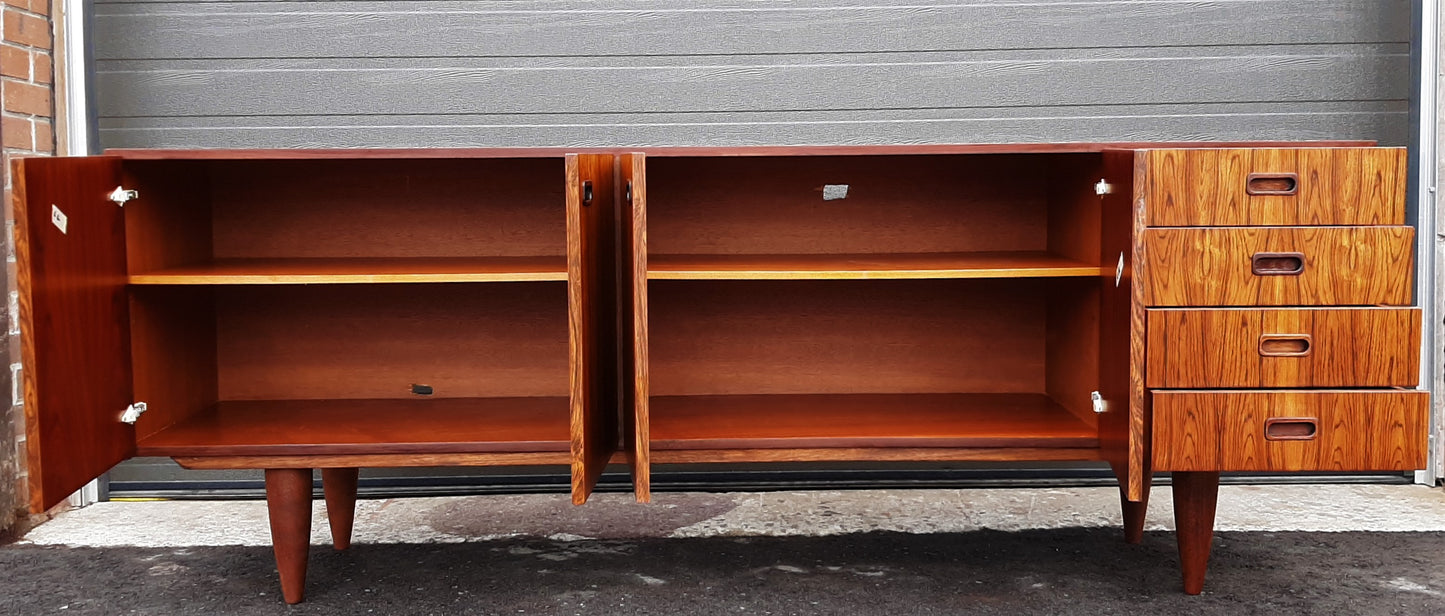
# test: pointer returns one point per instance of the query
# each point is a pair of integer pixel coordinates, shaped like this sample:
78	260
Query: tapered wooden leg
1134	511
288	498
340	487
1195	495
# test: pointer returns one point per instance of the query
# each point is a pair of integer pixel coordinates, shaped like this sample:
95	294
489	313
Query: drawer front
1290	430
1292	347
1279	266
1266	187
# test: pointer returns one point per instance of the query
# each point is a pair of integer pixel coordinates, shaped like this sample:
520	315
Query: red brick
27	98
19	4
42	68
14	62
40	6
15	133
27	29
44	137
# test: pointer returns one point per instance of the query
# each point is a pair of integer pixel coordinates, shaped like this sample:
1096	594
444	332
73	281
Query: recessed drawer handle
1291	428
1278	263
1284	345
1275	184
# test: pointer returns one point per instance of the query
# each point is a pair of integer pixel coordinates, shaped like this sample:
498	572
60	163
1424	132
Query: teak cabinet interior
295	310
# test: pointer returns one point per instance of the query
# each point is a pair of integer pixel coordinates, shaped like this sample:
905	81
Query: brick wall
27	123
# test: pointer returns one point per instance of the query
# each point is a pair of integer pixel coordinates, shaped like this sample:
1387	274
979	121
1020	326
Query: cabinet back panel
358	341
807	337
388	208
169	223
894	204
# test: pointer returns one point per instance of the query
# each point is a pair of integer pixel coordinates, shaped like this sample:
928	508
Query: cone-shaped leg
288	497
340	487
1195	495
1134	511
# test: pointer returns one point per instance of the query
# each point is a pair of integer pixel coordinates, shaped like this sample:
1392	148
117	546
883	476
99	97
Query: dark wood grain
288	501
560	458
809	150
74	323
1335	186
632	171
592	290
1195	497
1124	426
282	342
865	421
1344	266
367	427
358	271
1358	430
339	486
897	266
1347	347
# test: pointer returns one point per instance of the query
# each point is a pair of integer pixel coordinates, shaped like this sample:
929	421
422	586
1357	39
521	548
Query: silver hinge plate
133	412
120	195
1098	401
1103	188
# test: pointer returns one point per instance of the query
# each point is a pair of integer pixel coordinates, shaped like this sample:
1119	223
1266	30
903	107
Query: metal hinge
121	195
133	412
1103	188
1098	401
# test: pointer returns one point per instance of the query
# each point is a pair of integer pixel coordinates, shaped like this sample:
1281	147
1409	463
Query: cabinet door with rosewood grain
636	434
592	286
1122	427
74	322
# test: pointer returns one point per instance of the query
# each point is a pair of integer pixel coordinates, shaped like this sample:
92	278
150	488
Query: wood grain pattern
592	301
1353	347
883	454
1345	266
1359	430
1336	186
864	421
173	354
287	342
560	458
898	266
632	171
74	323
359	271
867	336
1124	426
294	153
366	427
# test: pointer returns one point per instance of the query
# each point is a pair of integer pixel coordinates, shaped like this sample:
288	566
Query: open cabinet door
1123	433
632	179
592	317
74	322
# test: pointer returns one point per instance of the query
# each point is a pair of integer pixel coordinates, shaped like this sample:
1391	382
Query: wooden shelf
354	427
1021	264
359	270
865	420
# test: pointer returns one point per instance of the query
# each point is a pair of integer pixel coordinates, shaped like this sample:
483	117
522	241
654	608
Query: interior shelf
1015	264
376	426
359	270
865	421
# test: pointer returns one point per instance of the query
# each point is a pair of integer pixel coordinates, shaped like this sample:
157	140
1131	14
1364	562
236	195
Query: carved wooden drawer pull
1285	345
1276	184
1278	263
1291	428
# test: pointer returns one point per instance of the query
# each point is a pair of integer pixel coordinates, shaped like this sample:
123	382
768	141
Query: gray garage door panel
654	73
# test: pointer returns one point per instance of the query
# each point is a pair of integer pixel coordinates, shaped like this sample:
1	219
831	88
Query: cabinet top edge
692	151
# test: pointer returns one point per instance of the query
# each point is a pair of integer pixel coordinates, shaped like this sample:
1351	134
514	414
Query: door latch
121	195
133	412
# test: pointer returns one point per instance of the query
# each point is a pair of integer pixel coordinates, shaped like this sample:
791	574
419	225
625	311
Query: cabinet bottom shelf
364	427
868	421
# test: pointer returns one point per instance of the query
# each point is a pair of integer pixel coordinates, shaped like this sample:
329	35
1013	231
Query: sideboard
1183	308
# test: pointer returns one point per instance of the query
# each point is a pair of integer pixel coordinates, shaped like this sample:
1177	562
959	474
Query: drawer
1267	187
1290	430
1278	266
1286	347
